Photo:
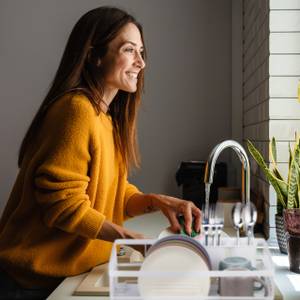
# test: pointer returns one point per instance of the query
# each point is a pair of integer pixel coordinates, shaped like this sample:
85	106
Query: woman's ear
93	59
89	54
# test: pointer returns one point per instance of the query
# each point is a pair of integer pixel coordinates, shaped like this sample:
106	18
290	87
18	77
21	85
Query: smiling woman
123	61
72	195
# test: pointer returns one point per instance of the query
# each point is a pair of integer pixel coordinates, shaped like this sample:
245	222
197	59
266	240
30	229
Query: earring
98	62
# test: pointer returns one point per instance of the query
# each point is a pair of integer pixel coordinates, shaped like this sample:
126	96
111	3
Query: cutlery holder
124	276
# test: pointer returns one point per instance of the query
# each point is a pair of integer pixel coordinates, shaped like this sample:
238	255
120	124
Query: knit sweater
70	181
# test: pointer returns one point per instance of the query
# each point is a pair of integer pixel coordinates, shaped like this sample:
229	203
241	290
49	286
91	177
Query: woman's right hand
111	231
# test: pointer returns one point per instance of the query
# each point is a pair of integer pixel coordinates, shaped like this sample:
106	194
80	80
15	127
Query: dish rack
123	275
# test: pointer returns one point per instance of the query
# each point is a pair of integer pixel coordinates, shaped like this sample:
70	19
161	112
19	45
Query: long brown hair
88	42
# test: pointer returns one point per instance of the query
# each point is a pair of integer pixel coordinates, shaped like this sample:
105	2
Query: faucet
210	167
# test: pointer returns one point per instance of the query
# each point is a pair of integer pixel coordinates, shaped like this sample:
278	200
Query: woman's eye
130	50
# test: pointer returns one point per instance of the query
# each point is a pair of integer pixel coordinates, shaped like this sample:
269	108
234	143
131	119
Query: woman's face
123	60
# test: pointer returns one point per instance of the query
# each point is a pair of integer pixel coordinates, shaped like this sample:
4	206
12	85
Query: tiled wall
271	70
256	83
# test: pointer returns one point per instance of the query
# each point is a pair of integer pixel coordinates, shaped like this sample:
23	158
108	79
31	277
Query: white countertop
287	282
151	225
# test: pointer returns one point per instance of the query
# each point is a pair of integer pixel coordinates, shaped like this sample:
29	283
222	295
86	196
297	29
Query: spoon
250	217
237	219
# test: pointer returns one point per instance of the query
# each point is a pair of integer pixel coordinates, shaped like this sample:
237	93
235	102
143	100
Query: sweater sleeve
61	177
130	190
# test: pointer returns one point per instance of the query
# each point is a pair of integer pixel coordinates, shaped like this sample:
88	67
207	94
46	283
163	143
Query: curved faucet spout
241	153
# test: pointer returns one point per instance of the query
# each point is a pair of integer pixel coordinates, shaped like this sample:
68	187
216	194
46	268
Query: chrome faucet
209	173
241	153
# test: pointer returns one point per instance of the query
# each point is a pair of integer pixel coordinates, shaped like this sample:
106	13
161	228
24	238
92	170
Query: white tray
123	276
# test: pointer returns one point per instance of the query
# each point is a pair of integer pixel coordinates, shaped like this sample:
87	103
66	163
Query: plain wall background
187	106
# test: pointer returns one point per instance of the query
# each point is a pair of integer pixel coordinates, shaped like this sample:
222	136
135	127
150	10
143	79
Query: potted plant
288	191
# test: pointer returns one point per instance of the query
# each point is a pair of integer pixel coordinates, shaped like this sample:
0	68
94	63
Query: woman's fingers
172	207
197	218
130	234
175	226
188	217
192	217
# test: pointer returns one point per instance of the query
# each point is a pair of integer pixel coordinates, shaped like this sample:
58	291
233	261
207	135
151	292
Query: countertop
151	225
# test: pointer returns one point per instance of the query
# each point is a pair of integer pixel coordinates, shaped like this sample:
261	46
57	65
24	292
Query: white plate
173	258
183	241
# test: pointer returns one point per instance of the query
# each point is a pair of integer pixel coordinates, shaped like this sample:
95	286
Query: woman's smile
132	75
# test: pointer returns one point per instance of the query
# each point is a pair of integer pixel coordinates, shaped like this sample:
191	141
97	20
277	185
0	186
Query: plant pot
280	233
291	218
292	221
293	243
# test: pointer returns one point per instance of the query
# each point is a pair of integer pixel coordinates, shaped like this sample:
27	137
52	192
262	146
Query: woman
71	195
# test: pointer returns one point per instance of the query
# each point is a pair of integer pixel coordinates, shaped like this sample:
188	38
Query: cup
235	262
239	286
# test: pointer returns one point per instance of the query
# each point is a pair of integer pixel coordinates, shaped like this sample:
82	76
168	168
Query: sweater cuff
130	191
91	224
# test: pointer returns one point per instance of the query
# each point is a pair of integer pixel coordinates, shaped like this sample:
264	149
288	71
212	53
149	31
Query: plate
174	255
184	241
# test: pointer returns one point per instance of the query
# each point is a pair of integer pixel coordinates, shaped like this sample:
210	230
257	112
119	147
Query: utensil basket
123	276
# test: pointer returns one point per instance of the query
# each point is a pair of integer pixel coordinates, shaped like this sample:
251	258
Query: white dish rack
123	276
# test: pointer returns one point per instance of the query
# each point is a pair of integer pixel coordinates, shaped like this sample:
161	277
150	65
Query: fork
219	220
212	222
209	223
205	222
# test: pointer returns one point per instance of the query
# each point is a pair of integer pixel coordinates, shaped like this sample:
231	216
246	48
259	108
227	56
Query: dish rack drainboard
123	275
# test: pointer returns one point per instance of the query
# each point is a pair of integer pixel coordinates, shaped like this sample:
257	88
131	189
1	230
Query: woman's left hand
172	207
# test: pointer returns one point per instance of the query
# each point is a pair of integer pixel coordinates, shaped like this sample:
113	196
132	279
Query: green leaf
298	194
282	185
270	176
277	174
290	161
279	185
297	200
273	156
291	155
293	179
297	156
273	151
297	138
298	189
281	201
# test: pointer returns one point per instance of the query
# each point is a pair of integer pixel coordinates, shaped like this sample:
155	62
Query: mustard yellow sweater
70	181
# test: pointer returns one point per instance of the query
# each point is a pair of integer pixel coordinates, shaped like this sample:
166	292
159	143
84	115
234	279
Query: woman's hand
172	207
111	231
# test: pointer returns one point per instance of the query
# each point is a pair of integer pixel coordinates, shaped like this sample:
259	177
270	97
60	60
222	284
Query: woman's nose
140	61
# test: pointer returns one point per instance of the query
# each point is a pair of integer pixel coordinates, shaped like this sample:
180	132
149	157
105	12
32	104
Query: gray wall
186	109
